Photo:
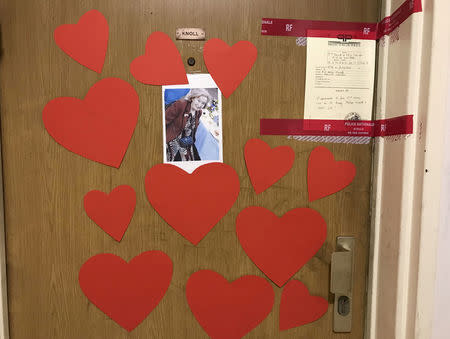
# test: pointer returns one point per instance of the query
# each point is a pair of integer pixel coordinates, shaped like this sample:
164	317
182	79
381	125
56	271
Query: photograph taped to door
192	123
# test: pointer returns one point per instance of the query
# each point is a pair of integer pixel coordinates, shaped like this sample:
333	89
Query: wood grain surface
48	234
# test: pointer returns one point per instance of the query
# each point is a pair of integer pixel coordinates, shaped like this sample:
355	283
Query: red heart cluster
231	310
162	65
86	42
278	246
100	127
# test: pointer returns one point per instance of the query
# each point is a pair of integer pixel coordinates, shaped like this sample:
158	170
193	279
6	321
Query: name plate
190	34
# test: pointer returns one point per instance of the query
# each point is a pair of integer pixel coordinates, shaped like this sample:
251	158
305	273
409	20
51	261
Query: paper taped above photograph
339	78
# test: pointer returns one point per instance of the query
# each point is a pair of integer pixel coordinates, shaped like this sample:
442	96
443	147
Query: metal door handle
342	283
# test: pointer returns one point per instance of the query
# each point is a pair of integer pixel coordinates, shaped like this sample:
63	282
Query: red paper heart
113	211
266	166
192	203
325	175
280	246
100	126
126	292
227	65
161	64
228	310
87	41
298	307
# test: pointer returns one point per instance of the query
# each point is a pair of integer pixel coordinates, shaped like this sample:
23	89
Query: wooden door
49	236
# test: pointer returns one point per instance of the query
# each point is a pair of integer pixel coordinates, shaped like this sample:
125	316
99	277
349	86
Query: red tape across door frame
352	128
361	30
367	30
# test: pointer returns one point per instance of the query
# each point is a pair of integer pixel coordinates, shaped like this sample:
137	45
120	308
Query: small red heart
99	127
298	307
126	292
227	65
266	166
228	310
327	176
280	246
113	211
192	203
87	41
161	64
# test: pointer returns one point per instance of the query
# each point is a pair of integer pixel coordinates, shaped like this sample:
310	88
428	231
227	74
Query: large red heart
298	307
266	166
99	127
228	310
227	65
126	292
280	246
327	176
87	41
113	211
161	64
192	203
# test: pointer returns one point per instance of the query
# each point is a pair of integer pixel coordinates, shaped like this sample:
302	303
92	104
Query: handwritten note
339	79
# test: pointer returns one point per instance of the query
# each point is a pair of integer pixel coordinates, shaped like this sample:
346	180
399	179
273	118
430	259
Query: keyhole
343	305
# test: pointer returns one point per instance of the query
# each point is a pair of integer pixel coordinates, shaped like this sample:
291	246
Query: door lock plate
341	284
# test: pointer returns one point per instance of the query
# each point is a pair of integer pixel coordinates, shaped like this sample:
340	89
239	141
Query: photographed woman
182	119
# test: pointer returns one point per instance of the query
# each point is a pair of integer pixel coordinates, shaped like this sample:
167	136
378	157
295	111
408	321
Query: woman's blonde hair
198	92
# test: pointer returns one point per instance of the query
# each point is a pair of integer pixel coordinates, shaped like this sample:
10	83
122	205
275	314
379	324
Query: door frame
4	323
403	265
408	265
